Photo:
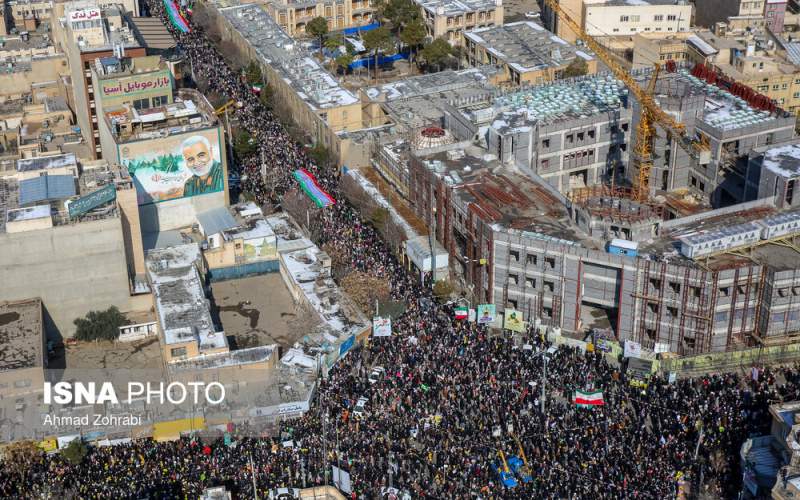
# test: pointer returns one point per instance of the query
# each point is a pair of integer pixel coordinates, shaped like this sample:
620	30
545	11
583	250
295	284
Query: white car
531	14
376	374
360	407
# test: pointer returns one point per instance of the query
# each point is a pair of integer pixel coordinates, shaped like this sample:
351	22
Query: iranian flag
589	398
462	313
256	87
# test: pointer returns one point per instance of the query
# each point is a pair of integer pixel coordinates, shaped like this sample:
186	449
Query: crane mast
651	112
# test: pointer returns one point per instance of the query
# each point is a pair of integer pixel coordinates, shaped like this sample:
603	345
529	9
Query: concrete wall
605	20
74	269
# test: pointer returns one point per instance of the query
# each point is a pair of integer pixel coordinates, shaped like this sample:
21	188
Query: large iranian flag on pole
590	398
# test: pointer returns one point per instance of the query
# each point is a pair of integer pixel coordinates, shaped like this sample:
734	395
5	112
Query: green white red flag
589	398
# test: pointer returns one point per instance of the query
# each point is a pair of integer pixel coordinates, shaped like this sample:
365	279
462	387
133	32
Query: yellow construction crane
651	115
227	105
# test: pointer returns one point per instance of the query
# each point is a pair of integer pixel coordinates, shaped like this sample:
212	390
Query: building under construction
701	265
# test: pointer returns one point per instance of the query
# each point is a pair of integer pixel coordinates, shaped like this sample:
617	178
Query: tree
378	216
252	74
343	62
365	289
436	52
378	40
413	34
21	455
266	96
244	145
577	67
318	28
75	451
320	154
442	289
100	325
400	12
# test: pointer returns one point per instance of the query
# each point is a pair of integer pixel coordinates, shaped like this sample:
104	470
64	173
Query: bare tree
365	289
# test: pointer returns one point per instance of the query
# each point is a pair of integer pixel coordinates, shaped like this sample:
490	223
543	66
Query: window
658	17
551	262
545	143
531	282
695	291
655	283
634	19
653	307
514	255
580	136
513	303
545	163
672	17
672	311
591	134
725	291
740	289
532	259
141	103
675	286
176	352
159	100
796	95
623	19
513	279
784	86
776	87
550	286
570	138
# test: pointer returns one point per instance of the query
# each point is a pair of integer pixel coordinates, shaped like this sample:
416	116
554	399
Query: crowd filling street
452	395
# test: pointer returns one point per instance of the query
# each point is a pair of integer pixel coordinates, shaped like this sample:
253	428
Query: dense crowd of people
452	396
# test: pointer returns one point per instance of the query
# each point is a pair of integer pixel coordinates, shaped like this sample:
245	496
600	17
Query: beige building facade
294	16
449	19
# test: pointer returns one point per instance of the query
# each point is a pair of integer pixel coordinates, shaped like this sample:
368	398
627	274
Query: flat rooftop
114	67
238	357
433	83
455	7
526	46
274	47
21	331
503	195
181	302
783	161
190	111
123	36
631	3
558	101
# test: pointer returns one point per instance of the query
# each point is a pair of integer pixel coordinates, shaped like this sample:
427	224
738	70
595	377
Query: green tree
436	52
266	96
320	154
378	216
75	451
100	325
332	43
413	34
344	61
400	13
318	28
577	67
378	40
442	289
252	74
244	145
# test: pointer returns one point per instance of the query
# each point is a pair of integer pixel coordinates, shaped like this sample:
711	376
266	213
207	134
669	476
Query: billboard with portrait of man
176	166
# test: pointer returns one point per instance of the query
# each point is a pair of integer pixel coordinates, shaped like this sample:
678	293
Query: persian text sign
137	85
84	15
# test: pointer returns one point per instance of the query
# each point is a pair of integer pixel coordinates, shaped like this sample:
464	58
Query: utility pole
432	241
253	475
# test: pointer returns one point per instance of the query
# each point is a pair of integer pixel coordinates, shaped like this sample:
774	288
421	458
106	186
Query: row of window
657	18
458	20
159	100
549	285
532	259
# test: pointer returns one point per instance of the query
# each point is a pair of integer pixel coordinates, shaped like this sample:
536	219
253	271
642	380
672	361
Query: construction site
658	206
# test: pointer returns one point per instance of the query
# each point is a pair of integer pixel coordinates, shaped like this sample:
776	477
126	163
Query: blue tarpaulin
368	62
359	29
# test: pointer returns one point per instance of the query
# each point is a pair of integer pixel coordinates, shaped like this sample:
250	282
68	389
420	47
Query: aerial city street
399	249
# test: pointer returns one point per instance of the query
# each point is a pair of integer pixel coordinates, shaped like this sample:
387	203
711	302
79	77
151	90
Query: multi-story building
710	12
91	33
30	59
59	218
604	18
27	15
683	48
570	134
293	16
24	347
142	82
303	88
449	19
754	59
526	52
175	154
774	15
